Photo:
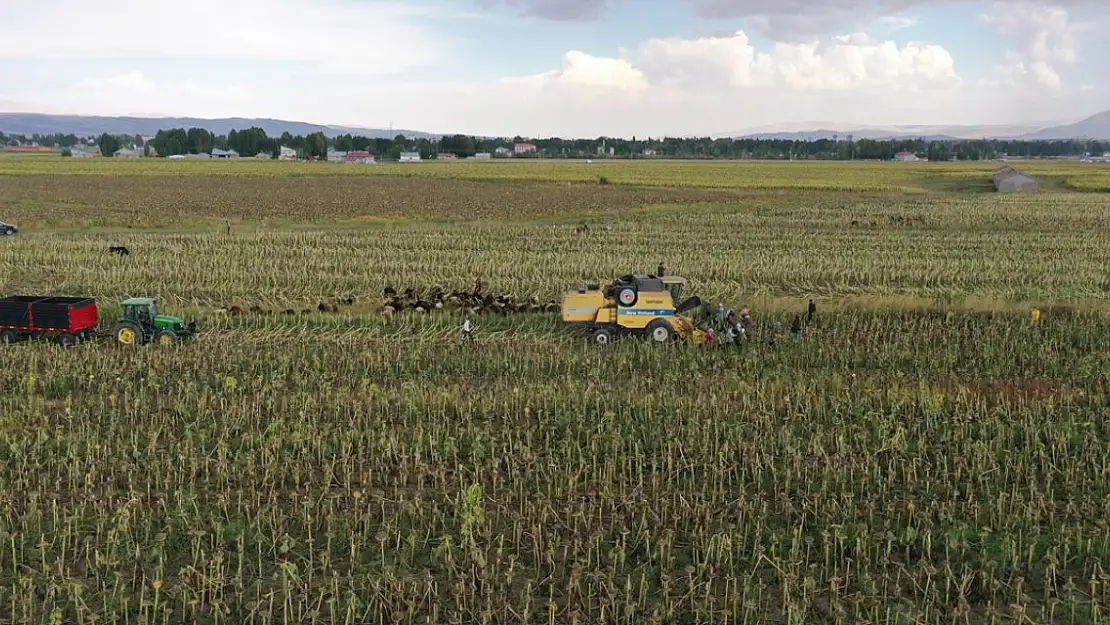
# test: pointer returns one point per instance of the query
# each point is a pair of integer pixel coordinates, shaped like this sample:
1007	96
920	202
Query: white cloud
847	62
690	86
336	36
583	70
1046	39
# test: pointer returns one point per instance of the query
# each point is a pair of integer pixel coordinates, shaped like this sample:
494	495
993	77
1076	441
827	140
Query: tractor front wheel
166	338
129	334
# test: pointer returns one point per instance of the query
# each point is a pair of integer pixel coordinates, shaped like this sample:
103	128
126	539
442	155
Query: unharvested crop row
936	250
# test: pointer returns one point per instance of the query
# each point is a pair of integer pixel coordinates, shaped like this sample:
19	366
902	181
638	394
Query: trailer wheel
9	337
66	340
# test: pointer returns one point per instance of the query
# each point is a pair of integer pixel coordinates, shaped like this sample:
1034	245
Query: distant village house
359	157
410	157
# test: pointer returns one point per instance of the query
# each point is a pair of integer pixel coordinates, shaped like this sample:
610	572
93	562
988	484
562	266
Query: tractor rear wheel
166	338
659	331
129	334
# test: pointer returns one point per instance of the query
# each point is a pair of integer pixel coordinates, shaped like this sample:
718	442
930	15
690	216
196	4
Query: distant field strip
798	175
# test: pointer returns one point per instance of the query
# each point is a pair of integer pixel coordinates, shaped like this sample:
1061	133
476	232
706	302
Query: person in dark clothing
659	271
812	311
796	328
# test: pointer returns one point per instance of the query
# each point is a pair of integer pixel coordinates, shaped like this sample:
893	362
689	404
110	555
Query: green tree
109	145
316	144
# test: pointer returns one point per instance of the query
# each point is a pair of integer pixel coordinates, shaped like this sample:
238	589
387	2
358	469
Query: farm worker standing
467	329
796	328
720	316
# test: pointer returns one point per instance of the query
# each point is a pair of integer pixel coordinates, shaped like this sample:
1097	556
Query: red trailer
62	319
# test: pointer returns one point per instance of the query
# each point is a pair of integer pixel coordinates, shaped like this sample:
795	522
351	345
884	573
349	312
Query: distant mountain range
82	126
1094	127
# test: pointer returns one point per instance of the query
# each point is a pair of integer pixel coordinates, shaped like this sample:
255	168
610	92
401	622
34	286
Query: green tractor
141	324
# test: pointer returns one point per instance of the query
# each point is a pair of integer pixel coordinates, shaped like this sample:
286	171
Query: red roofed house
447	156
524	148
364	158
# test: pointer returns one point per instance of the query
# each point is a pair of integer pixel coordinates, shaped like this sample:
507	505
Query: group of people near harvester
733	327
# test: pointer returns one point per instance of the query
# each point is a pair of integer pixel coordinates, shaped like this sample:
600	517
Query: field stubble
348	475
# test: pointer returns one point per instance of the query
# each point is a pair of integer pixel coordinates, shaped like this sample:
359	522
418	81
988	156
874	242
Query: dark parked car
8	229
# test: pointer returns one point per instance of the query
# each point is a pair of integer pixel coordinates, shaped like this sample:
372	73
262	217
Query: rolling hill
80	125
1093	127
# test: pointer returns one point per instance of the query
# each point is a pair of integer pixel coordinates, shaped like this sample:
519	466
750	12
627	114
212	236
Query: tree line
253	141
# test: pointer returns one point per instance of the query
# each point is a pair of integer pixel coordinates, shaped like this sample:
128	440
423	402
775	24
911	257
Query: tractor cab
141	322
140	310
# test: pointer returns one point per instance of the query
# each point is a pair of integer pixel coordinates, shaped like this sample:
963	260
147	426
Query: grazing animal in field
119	250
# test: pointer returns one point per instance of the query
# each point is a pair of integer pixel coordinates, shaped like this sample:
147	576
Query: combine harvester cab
63	320
633	305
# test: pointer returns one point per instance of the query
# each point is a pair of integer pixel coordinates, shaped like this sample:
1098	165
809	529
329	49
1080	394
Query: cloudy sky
560	67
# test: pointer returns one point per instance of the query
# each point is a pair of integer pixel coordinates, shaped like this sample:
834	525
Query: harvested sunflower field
931	445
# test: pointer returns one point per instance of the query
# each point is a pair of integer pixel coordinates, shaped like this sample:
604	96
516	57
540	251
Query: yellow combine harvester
646	306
